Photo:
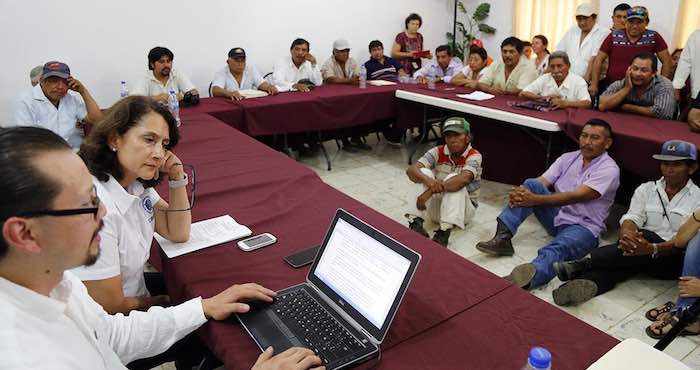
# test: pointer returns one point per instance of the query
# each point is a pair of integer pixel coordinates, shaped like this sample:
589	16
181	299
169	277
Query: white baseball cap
341	44
585	10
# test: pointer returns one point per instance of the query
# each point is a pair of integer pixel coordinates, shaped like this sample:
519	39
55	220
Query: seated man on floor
446	182
559	87
642	91
442	69
298	71
510	75
571	200
238	75
694	115
50	218
657	210
49	105
341	68
161	78
380	66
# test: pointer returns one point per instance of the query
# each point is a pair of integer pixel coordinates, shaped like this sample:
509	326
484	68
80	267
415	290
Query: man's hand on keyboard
222	305
291	359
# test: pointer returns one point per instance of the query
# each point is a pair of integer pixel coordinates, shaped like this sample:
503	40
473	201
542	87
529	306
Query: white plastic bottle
363	77
431	83
538	359
124	91
174	105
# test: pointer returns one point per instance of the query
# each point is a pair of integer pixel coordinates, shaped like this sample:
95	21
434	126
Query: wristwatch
174	184
655	253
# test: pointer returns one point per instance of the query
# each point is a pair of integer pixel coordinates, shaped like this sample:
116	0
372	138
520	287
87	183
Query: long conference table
455	315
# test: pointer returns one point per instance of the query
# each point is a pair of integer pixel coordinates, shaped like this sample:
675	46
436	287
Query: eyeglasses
67	212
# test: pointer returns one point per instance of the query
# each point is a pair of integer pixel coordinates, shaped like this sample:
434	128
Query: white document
380	83
252	93
476	95
204	234
632	353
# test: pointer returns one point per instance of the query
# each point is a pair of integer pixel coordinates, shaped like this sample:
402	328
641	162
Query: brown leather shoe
496	247
522	275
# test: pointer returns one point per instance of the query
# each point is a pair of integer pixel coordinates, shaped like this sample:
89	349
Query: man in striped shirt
642	91
380	66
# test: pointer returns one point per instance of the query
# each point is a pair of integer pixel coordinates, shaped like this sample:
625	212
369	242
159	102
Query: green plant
474	28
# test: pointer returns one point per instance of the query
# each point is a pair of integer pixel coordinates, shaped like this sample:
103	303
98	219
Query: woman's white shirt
126	236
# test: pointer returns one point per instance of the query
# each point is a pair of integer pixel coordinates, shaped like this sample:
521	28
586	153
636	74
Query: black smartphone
302	258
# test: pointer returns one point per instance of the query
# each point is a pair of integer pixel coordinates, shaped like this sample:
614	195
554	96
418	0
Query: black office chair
211	95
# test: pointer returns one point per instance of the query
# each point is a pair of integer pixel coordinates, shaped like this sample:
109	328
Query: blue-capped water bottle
363	77
174	105
538	359
124	91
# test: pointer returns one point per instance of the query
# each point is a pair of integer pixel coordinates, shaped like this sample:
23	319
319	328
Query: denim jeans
570	241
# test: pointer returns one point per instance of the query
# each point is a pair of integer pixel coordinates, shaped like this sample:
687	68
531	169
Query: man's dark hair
446	48
648	56
375	44
480	51
156	53
23	186
527	43
120	118
413	17
622	7
514	42
600	123
300	41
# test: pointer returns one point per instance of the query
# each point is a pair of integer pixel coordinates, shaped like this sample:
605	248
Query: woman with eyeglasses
128	153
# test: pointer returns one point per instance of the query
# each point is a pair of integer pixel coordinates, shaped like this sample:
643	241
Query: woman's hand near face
172	166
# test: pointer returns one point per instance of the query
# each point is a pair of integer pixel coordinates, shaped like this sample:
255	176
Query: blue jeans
691	267
570	241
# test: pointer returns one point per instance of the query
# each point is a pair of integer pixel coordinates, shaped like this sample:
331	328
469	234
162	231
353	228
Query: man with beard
561	88
642	91
162	77
50	217
571	200
512	74
445	183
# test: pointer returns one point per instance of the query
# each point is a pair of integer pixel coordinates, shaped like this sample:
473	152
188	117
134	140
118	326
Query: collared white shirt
689	65
521	76
573	88
34	109
150	86
126	236
70	331
581	53
251	79
286	74
467	72
647	212
331	68
432	69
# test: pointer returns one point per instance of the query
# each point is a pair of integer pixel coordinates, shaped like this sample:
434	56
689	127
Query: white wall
662	14
104	42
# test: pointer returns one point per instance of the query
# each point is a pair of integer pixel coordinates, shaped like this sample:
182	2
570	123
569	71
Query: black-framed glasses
189	170
66	212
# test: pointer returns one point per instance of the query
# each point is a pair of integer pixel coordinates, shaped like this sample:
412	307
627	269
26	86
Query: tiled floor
377	179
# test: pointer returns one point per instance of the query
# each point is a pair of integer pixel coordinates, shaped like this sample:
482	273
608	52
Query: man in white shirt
442	69
561	88
341	68
581	42
49	105
238	75
689	65
297	72
50	220
162	77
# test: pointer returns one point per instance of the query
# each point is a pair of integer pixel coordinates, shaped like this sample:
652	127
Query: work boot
575	292
522	275
442	237
417	226
571	269
500	244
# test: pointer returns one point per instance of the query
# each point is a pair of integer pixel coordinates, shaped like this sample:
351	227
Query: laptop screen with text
364	272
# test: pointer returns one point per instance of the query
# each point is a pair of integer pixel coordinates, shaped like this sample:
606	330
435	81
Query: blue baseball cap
677	150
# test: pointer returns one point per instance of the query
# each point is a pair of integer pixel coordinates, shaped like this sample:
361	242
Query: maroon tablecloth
269	193
498	333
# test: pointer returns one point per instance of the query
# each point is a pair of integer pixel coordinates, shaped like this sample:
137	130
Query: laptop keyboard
315	327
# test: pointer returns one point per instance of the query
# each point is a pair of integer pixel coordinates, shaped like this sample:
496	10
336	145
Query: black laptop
351	294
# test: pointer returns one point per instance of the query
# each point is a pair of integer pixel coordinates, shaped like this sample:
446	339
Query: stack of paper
380	83
204	234
252	93
476	95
